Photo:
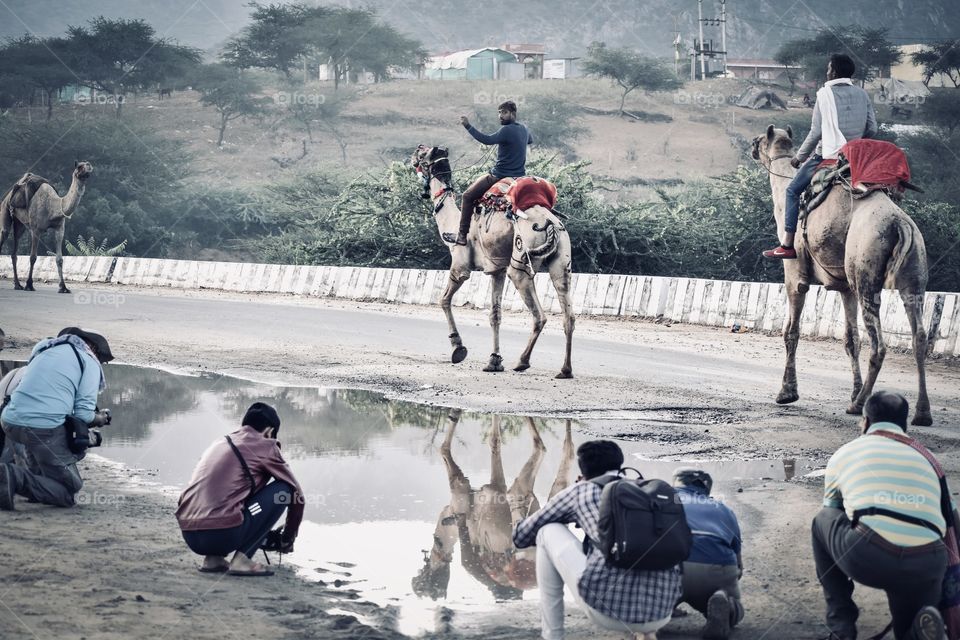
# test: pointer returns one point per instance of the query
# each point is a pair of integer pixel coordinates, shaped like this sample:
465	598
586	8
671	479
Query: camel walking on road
501	248
857	247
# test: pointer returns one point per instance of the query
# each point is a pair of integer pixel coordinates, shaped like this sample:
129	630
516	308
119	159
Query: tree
123	56
942	109
230	92
313	110
37	64
939	58
870	49
629	70
275	38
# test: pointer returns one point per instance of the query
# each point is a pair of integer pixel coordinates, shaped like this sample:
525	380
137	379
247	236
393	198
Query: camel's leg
446	303
852	339
520	494
523	281
34	245
560	275
459	484
496	301
870	304
498	480
791	337
17	232
58	239
913	304
564	473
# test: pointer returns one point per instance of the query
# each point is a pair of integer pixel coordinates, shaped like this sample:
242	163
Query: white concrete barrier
751	305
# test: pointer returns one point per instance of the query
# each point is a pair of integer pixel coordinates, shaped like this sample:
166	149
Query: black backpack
642	524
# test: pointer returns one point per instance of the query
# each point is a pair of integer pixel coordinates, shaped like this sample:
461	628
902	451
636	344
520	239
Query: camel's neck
69	202
448	215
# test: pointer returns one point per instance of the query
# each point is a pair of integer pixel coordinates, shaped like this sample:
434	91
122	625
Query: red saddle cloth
876	163
521	194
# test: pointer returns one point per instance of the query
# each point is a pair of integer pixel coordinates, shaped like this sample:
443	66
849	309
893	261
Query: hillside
756	26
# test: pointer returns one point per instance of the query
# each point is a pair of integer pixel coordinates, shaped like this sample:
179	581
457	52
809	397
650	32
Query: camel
482	520
500	247
47	210
855	247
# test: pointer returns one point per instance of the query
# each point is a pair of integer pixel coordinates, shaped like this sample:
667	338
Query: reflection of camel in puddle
482	520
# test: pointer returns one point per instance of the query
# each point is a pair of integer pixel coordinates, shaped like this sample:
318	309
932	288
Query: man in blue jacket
63	378
511	139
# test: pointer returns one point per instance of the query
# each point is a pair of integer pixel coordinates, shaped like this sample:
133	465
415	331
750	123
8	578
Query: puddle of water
384	515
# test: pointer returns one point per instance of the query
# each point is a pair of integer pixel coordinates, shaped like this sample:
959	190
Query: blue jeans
797	186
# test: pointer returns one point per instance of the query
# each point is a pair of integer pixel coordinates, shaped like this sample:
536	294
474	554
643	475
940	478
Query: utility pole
723	34
703	60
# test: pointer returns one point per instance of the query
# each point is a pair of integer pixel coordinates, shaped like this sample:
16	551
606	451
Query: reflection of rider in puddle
482	520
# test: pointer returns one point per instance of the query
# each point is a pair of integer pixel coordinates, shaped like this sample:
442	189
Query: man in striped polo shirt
882	526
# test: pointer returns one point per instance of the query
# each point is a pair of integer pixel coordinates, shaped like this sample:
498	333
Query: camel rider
512	139
843	112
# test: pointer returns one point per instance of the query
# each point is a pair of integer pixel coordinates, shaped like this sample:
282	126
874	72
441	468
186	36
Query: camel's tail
903	250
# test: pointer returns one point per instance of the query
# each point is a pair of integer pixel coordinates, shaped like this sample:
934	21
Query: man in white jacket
843	112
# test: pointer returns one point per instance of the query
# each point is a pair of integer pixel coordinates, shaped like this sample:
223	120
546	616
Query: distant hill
755	27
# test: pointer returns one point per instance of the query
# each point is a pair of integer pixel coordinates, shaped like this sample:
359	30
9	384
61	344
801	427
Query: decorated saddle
862	167
519	194
23	191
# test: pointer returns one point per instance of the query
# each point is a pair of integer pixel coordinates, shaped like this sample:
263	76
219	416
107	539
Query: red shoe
781	253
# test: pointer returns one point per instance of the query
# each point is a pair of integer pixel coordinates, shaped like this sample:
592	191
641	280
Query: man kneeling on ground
711	575
55	399
882	525
230	504
616	599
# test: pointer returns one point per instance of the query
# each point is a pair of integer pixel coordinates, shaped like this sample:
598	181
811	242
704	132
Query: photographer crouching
230	504
49	414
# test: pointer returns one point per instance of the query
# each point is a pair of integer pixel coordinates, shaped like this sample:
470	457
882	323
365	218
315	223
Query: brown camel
482	520
500	247
46	210
855	247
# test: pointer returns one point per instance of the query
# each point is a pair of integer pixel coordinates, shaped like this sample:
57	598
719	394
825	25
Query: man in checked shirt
625	600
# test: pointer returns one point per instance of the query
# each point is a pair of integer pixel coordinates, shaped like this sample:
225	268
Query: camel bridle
424	168
770	160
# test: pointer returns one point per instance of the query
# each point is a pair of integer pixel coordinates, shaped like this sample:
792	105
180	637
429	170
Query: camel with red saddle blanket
515	235
857	242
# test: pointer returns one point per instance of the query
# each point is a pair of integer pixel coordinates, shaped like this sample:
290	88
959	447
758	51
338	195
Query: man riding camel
843	112
512	139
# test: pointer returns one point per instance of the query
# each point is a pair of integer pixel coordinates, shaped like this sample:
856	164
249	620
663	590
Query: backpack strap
880	511
246	468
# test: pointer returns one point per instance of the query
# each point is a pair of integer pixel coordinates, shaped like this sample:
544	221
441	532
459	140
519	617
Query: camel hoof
29	287
854	409
856	392
922	419
459	354
63	290
523	366
564	375
786	397
17	286
495	365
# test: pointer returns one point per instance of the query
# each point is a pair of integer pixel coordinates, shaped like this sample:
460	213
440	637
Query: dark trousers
47	470
912	577
470	198
700	581
260	513
796	188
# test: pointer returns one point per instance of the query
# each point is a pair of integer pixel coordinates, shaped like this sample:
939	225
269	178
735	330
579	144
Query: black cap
692	477
99	343
260	416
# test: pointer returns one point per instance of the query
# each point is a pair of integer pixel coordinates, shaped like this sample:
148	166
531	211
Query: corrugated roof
457	59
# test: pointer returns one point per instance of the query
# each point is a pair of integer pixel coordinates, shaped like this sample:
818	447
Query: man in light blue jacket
62	379
843	113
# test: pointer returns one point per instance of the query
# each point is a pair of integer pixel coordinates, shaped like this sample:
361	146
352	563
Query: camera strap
246	468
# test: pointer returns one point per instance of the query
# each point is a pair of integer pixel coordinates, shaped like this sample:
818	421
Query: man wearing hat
238	491
62	380
711	575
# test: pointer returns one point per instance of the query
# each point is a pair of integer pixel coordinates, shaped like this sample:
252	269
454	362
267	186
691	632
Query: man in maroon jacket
230	504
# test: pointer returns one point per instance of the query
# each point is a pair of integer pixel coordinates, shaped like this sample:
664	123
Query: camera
275	542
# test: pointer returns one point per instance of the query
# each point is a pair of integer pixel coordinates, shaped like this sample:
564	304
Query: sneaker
718	617
7	490
461	239
928	625
781	253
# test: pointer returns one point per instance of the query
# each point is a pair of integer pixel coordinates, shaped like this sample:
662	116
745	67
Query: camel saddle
861	168
21	194
519	194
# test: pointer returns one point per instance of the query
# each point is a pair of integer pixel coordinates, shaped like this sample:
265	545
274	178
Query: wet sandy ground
699	391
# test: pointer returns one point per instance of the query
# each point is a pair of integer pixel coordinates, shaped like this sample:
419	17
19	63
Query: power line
891	37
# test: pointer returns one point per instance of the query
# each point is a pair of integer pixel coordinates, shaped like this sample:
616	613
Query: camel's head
82	170
776	142
429	163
